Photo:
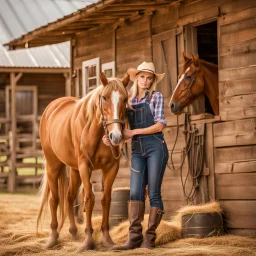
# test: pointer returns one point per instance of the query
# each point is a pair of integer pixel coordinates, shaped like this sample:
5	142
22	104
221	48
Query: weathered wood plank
197	6
234	154
236	167
241	101
237	113
240	60
237	87
247	23
234	127
206	14
243	35
235	139
209	161
236	6
237	16
237	73
236	192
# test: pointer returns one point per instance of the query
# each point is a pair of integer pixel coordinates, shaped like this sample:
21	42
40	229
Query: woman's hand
106	141
127	133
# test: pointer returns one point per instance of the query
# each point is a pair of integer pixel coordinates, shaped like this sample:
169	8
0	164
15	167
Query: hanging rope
194	151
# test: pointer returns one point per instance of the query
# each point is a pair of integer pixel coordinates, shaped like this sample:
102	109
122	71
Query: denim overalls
149	157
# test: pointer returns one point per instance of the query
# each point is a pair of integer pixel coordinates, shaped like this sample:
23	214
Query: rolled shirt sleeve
158	105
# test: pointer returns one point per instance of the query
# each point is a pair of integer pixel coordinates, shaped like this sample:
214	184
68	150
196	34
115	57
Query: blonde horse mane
114	84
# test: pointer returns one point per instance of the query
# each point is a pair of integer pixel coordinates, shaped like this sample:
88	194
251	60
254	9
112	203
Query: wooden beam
67	84
34	70
12	169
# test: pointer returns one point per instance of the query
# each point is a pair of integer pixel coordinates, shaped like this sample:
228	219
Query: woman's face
145	80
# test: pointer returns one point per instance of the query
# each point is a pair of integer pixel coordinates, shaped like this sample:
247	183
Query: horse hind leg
56	176
74	184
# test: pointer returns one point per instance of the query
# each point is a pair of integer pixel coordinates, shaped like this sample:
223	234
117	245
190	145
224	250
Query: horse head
112	106
190	85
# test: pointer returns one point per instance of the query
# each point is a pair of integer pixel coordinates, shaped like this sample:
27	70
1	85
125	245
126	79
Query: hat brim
132	72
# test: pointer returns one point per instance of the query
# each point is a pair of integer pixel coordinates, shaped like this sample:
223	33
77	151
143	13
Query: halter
107	122
189	87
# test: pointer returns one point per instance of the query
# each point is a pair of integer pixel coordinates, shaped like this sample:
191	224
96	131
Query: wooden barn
36	76
113	35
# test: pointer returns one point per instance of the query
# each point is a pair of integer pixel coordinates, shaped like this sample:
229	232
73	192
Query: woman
149	154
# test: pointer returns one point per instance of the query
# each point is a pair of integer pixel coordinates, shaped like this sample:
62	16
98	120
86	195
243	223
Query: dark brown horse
71	132
197	77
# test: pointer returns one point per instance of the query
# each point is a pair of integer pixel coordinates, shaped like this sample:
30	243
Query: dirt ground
18	215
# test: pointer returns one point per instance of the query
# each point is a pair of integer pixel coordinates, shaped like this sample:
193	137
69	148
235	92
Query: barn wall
230	145
49	87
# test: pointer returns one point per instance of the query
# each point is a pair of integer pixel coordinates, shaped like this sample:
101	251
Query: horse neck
211	88
93	130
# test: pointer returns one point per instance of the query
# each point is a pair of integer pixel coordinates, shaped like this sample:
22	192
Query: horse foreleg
108	177
85	174
52	176
74	184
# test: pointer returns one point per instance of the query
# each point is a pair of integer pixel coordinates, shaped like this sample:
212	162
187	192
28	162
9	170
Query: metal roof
49	56
99	14
18	17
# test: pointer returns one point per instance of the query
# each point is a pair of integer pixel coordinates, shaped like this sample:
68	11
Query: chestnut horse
197	77
71	132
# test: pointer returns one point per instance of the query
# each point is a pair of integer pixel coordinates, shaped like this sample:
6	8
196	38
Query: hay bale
211	207
120	188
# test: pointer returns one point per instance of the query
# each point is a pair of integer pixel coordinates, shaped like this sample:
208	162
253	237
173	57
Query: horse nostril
111	135
172	106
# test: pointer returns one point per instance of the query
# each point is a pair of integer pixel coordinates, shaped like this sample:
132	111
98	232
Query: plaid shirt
156	105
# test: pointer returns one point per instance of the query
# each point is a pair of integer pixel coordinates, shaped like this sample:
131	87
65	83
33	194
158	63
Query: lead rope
194	151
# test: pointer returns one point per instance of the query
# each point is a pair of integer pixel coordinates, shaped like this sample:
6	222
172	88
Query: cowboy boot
136	216
155	216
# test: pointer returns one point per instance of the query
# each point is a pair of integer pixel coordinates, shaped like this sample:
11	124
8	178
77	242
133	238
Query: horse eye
104	98
188	77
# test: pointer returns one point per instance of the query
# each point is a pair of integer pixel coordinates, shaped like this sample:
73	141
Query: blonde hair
134	89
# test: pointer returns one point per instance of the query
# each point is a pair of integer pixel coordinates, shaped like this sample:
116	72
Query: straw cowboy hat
146	67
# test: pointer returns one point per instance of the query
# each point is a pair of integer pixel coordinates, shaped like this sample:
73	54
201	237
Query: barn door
26	111
187	43
164	58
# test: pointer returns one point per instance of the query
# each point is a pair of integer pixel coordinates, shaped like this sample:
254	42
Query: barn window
109	69
91	75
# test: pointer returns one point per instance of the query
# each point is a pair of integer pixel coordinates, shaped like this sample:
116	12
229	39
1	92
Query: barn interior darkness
208	49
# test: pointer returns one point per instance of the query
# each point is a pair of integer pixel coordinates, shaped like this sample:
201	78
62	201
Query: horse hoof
50	243
86	247
108	243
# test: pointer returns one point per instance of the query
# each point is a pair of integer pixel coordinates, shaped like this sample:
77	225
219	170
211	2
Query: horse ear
195	60
126	80
103	79
185	58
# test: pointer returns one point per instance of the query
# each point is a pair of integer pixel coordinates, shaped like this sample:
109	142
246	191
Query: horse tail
44	191
62	188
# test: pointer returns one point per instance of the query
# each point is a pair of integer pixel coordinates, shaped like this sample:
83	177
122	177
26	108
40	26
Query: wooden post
12	169
67	84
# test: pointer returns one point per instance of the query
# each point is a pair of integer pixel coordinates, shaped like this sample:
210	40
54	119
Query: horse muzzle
175	107
115	138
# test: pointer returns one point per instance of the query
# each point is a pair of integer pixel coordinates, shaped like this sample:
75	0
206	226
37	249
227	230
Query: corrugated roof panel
20	7
50	10
22	16
50	56
20	58
13	26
